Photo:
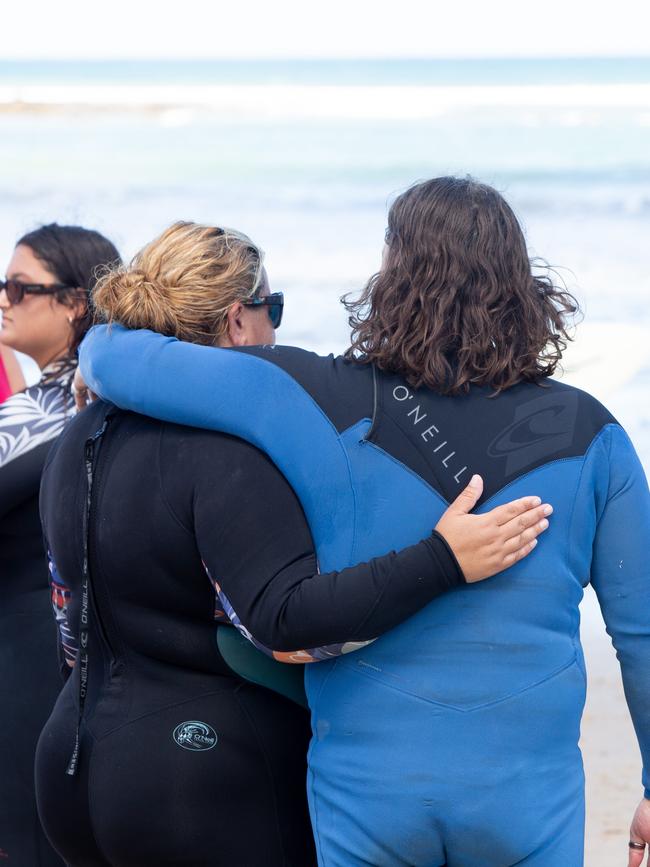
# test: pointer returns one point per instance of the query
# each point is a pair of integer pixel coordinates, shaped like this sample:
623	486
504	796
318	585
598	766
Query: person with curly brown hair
453	739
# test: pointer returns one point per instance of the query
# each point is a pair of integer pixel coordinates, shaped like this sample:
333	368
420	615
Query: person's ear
76	306
236	331
79	307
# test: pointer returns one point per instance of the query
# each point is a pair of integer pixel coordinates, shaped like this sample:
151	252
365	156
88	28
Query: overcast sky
330	28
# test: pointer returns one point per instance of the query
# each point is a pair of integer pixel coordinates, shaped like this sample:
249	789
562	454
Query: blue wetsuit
453	739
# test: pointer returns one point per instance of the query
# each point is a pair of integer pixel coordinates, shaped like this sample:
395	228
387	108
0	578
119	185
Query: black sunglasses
16	291
275	303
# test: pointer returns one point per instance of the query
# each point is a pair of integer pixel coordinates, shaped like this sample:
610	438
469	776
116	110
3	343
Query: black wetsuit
29	680
179	759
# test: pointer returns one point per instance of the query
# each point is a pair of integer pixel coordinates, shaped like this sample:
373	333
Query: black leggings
217	780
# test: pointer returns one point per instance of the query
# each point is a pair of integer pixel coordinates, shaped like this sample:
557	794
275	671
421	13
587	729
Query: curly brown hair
456	301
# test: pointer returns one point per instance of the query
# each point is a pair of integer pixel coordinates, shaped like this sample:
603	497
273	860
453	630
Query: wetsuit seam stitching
592	446
609	479
283	373
329	423
350	475
573	459
492	703
569	525
374	421
496	493
351	428
407	469
406	434
353	548
99	738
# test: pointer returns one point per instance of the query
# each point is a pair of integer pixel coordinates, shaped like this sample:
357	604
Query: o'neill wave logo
195	736
541	429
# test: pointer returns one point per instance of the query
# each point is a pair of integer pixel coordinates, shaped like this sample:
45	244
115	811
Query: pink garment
5	388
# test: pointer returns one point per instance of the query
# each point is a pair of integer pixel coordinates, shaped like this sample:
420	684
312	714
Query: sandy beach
611	755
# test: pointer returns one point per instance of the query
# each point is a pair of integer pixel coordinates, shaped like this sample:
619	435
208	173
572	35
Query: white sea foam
326	101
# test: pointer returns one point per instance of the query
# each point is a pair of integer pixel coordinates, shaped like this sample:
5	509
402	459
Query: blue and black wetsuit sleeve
293	405
251	392
620	570
257	549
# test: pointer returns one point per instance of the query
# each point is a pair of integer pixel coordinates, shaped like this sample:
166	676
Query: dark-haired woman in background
453	739
45	313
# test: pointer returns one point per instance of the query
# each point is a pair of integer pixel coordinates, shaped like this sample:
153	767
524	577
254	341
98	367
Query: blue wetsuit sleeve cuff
449	568
646	794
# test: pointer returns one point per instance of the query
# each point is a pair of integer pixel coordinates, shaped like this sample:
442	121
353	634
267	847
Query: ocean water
374	72
307	156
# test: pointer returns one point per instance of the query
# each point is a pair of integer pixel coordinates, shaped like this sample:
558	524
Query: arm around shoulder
256	545
243	393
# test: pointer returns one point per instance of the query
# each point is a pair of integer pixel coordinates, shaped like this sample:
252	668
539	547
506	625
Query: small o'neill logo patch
195	736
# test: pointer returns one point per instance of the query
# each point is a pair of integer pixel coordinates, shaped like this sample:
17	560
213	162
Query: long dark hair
76	257
456	301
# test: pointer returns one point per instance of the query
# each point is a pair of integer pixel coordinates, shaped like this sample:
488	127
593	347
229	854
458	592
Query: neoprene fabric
453	738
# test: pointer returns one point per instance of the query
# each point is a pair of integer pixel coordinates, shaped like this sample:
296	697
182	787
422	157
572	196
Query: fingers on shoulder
510	511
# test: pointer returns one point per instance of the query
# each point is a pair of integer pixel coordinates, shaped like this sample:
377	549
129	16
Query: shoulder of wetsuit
82	426
343	388
506	435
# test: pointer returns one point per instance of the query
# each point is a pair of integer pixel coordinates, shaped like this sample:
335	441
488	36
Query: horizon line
324	58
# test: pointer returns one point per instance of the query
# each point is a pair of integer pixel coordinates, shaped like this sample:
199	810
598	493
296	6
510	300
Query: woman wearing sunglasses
44	304
165	746
454	738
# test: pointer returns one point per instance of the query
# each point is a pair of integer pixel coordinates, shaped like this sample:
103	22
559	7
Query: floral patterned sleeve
30	421
36	415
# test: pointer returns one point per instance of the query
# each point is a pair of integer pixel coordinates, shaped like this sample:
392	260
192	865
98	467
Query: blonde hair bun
134	300
182	283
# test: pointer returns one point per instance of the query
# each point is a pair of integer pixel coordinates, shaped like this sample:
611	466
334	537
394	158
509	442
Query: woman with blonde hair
453	739
167	746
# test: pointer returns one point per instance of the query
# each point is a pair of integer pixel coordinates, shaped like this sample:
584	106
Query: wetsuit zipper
94	467
88	596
